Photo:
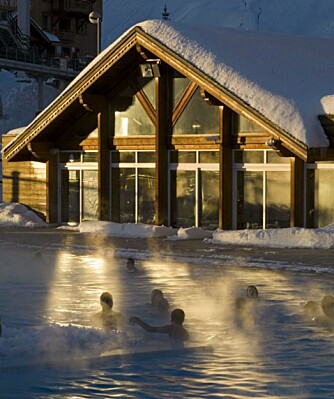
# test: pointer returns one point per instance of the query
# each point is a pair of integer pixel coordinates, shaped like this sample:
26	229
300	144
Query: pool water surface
48	295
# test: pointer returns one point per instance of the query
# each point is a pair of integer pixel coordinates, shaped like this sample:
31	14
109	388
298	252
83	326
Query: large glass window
320	195
135	121
197	118
79	186
127	193
277	199
180	84
262	190
244	125
194	189
133	177
249	200
89	195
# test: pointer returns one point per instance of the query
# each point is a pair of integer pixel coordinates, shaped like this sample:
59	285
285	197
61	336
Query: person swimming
175	330
323	312
252	292
312	309
158	301
130	265
107	317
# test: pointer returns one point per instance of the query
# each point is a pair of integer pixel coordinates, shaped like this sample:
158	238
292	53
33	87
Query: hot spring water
47	297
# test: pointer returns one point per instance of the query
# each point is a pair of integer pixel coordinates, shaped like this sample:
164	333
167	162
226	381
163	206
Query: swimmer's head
252	292
106	298
312	309
177	316
156	296
130	264
327	305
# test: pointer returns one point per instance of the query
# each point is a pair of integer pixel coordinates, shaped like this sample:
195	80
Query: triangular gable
147	35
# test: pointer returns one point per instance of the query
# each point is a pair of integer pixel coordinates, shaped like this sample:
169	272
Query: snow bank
126	230
191	233
294	237
13	214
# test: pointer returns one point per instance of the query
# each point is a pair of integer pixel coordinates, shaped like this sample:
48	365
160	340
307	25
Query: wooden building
178	126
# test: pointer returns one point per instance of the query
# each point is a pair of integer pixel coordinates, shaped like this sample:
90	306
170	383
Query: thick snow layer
263	69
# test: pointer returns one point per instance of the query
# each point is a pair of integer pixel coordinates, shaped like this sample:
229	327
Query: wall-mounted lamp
273	143
71	158
150	69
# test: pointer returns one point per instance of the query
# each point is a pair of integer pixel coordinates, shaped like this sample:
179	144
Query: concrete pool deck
322	259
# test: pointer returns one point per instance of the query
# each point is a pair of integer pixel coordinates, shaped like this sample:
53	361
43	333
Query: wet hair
252	291
106	297
327	305
156	293
177	316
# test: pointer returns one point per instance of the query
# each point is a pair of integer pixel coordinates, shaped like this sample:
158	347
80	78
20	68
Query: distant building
183	126
55	32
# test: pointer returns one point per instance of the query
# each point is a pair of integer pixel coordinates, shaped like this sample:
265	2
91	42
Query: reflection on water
48	295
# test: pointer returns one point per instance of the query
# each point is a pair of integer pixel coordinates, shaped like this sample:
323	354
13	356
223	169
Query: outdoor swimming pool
47	296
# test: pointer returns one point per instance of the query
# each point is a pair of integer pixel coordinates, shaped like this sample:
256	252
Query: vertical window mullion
264	207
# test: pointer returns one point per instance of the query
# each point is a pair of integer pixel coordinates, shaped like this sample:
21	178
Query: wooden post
52	184
297	192
104	170
225	170
163	124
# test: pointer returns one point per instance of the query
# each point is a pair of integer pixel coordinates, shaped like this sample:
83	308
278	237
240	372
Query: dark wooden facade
91	101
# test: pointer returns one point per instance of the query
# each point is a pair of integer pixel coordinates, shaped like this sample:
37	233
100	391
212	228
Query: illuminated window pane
149	90
89	195
198	118
324	197
127	195
250	200
133	122
179	86
273	157
209	157
209	199
146	195
183	212
277	200
246	126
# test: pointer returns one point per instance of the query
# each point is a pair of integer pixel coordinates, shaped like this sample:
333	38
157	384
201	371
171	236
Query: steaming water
47	296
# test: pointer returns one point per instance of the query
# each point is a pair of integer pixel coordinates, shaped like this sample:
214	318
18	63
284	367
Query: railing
32	57
8	5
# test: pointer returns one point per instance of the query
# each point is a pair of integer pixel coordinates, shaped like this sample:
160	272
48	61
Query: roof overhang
68	103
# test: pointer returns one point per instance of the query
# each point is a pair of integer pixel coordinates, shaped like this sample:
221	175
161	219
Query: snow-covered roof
287	79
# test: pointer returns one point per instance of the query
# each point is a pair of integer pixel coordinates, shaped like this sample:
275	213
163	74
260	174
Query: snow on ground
17	215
